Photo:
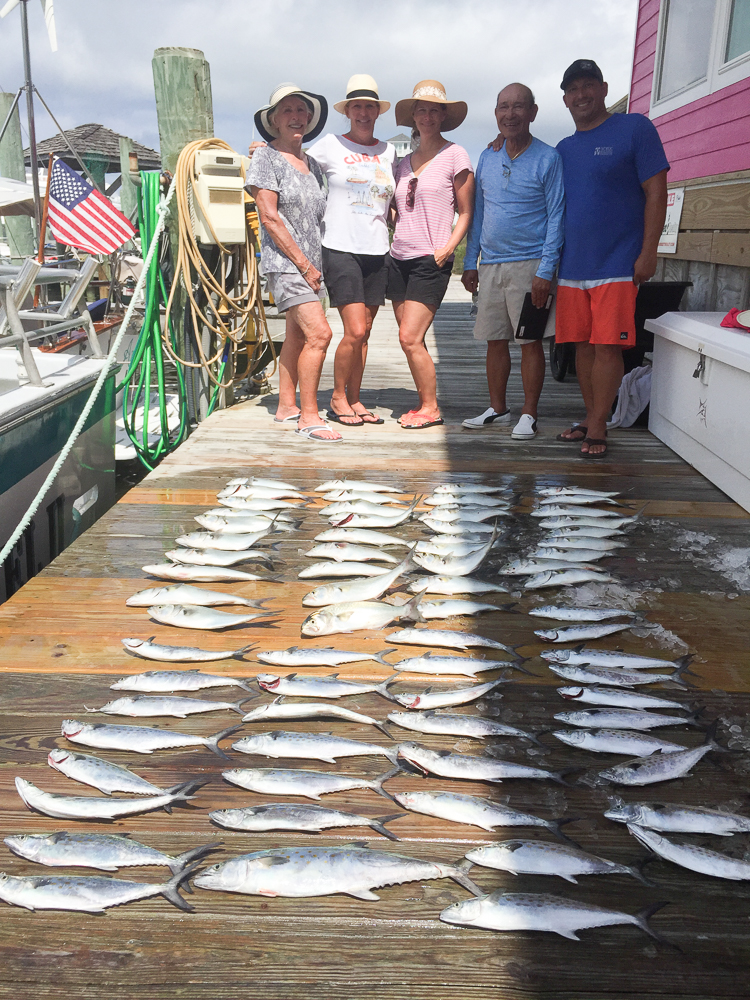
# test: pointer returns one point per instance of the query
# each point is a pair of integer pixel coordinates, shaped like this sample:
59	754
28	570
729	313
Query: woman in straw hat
359	171
289	192
432	184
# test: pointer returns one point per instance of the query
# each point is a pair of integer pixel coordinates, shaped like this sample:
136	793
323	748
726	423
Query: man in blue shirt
615	174
517	228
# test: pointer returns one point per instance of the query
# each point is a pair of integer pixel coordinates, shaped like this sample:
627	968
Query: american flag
80	216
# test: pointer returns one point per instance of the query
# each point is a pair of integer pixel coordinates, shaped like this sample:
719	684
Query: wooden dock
60	649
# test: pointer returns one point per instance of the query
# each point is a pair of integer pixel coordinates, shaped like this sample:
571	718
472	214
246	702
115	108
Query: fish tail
560	776
382	689
258	602
181	861
183	792
237	705
684	662
377	785
637	871
391	754
677	677
384	730
555	825
516	663
384	652
411	610
239	653
642	917
170	889
509	608
212	742
534	737
459	874
379	824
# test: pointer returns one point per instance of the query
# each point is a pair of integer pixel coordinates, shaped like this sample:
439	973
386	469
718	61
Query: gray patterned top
302	205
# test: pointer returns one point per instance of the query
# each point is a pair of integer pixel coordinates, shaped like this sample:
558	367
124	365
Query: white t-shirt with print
360	189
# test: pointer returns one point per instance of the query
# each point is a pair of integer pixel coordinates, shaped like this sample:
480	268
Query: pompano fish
207	574
183	593
326	570
331	686
94	807
613	676
576	531
192	616
362	536
85	893
144	706
624	718
695	859
673	818
473	726
582	521
355	615
355	484
534	566
581	542
445	764
105	851
357	520
616	697
310	746
559	509
310	784
432	698
632	744
323	871
278	709
451	585
161	681
217	557
555	491
566	578
659	767
147	649
349	552
569	555
220	525
358	590
445	638
466	665
612	658
473	810
101	774
568	614
539	857
138	739
469	488
293	816
328	656
455	565
454	609
576	633
224	540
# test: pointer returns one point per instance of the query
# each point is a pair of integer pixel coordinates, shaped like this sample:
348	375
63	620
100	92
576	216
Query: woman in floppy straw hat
288	189
359	171
432	184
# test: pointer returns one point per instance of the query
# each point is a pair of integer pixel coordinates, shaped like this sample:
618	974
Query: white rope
109	361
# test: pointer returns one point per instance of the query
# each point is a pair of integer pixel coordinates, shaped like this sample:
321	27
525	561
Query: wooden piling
128	194
20	228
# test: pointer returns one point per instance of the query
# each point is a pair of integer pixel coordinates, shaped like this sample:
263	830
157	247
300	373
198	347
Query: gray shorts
502	289
291	289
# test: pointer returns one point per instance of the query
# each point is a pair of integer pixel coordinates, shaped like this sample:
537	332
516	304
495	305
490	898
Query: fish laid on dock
362	536
331	686
674	818
463	665
216	557
473	811
311	784
327	656
183	593
432	698
353	616
538	857
279	709
572	614
445	764
616	698
349	552
187	680
695	859
330	569
139	739
144	706
621	741
307	818
194	616
105	851
93	807
660	766
473	726
101	774
445	638
310	746
198	574
85	893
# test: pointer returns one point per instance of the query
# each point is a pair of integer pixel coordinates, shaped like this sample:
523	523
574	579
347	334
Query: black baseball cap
579	68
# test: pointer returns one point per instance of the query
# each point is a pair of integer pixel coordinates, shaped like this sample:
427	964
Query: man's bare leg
605	376
533	365
498	370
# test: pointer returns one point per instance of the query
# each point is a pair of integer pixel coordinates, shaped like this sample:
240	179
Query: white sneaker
485	419
525	429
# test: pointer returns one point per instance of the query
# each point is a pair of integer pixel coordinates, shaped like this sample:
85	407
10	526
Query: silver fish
472	810
356	520
322	871
565	614
568	509
582	542
138	739
278	520
673	818
455	565
430	664
566	578
386	509
310	746
539	857
94	807
473	726
161	681
101	774
577	520
695	859
446	698
85	893
217	557
534	566
311	784
192	616
576	531
445	545
455	513
260	481
257	492
623	718
557	491
331	686
105	851
368	496
451	585
255	504
144	706
326	570
306	710
355	615
183	593
465	500
349	552
632	744
362	536
218	524
459	488
576	555
445	638
659	767
578	633
613	676
293	816
612	658
364	589
456	608
328	656
149	650
581	498
616	697
458	528
355	484
445	764
223	540
196	574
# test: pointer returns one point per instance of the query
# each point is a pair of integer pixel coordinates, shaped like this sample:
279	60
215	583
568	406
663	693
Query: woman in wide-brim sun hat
359	171
289	191
432	184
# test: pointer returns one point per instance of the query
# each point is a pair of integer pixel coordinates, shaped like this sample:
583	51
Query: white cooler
700	397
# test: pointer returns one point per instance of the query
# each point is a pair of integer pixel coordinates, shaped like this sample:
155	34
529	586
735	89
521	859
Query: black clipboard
533	321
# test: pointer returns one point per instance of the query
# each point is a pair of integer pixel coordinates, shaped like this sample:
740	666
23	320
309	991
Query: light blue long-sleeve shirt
518	209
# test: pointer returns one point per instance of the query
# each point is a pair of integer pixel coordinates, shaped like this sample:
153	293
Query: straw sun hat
318	104
434	92
362	86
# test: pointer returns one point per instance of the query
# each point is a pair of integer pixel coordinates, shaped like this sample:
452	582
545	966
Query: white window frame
719	74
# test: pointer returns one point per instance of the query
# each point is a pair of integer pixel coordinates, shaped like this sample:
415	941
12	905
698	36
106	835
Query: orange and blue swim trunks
601	311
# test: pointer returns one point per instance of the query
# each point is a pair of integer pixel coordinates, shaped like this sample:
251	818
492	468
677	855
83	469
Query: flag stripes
80	216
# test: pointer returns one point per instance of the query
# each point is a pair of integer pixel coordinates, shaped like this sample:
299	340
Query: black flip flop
570	440
369	413
337	418
589	441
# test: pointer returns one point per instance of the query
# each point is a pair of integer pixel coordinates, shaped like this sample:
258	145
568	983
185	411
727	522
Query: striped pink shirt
427	227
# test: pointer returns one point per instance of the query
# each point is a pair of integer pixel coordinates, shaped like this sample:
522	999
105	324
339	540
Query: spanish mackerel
149	650
355	484
311	746
445	764
563	491
445	638
183	593
327	656
144	706
101	774
695	859
612	658
577	532
94	807
566	578
661	766
451	585
138	739
105	851
160	681
293	816
569	614
432	698
625	718
616	698
473	810
466	665
622	741
459	488
331	686
584	521
85	893
673	818
208	574
457	608
576	633
278	709
539	857
567	509
311	784
473	726
614	676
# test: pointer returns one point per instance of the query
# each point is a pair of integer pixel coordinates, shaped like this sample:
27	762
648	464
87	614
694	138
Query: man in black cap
615	174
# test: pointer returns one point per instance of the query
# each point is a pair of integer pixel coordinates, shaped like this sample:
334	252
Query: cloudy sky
102	70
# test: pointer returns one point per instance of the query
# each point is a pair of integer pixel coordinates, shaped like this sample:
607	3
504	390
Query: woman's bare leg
348	364
308	325
414	319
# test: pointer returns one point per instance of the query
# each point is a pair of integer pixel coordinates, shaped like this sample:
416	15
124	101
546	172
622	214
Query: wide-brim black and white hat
318	106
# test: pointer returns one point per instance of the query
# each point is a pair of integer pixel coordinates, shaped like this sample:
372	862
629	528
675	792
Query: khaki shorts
502	289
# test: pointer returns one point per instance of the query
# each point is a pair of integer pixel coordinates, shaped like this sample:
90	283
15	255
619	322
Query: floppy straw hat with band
363	87
434	92
318	106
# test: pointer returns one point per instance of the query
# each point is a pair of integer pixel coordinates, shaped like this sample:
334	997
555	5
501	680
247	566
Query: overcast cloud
102	71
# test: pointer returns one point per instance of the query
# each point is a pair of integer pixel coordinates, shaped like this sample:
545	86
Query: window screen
738	41
687	43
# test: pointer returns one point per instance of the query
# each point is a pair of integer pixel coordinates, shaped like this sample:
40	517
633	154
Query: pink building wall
708	136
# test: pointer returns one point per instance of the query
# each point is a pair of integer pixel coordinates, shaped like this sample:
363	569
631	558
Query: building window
686	44
738	40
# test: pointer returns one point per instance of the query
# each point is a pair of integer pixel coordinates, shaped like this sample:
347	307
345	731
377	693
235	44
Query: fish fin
637	870
362	894
239	653
384	652
684	662
382	689
290	677
568	878
270	861
509	608
169	889
642	917
181	861
411	611
459	873
377	785
556	824
382	727
379	824
212	742
570	935
237	705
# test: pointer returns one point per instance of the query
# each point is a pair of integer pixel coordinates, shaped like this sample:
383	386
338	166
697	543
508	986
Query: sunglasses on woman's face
411	192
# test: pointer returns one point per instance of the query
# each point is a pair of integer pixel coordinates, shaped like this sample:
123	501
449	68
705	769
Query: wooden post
20	228
184	109
128	194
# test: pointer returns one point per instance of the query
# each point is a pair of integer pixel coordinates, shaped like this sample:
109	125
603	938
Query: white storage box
700	397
